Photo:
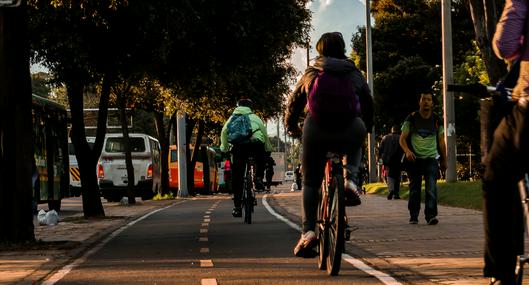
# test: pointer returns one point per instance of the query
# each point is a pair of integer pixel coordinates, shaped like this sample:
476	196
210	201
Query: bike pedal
347	234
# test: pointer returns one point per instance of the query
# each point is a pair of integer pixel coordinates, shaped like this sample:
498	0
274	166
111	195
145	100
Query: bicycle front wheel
336	234
322	231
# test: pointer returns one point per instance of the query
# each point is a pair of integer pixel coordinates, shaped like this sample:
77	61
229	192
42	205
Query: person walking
423	143
298	175
269	171
506	161
255	144
391	154
334	90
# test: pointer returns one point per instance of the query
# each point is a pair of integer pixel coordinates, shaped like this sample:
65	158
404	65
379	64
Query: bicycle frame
521	260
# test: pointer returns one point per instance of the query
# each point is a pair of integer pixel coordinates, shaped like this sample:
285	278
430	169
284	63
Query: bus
51	176
201	177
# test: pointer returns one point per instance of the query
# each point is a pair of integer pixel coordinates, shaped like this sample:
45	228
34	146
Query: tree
407	53
485	15
16	152
69	37
40	84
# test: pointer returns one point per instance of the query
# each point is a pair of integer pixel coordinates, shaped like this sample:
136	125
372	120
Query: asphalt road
199	242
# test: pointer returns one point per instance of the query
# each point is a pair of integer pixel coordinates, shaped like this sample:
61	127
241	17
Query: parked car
289	175
112	170
75	174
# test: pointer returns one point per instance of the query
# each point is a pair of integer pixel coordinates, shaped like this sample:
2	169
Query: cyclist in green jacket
257	145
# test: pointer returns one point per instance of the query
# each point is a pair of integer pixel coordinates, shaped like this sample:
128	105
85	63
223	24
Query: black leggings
317	142
240	157
505	165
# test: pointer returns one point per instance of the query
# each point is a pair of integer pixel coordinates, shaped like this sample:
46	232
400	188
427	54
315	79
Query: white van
112	170
75	174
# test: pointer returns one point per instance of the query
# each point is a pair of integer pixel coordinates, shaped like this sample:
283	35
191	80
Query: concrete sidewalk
448	253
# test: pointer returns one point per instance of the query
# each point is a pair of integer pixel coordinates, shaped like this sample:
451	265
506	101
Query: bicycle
248	195
498	97
332	220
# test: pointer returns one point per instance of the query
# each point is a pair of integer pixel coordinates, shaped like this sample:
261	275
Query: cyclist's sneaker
352	197
306	245
433	221
414	221
396	197
237	212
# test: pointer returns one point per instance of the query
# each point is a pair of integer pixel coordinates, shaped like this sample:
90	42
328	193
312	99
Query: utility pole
448	97
369	66
182	159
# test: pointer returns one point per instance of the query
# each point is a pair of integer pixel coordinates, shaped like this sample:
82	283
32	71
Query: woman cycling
341	130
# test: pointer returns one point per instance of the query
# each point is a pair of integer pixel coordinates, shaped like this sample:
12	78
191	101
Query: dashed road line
208	281
206	263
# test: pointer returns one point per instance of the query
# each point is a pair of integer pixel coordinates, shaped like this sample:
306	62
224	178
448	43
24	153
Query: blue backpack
239	129
332	100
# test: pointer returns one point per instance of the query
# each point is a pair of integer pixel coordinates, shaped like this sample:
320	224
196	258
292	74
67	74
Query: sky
327	16
331	16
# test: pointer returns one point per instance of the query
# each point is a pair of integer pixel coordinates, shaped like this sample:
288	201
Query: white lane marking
203	239
206	263
278	216
205	224
208	281
208	211
207	220
383	277
203	231
67	268
206	216
204	250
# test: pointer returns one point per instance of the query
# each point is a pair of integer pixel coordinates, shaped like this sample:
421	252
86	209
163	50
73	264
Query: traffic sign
10	3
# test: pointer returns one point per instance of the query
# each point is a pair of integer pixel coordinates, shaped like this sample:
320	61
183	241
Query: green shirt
423	138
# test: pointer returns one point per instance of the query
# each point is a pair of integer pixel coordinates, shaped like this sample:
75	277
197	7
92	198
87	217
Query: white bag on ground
49	218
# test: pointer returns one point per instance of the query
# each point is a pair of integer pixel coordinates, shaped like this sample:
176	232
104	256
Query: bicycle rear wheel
336	229
247	201
322	231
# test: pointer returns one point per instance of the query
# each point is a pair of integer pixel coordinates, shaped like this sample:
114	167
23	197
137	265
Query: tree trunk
484	17
126	143
16	152
196	148
163	136
190	125
86	157
205	167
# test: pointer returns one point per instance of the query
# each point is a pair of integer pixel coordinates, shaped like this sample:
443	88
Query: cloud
324	4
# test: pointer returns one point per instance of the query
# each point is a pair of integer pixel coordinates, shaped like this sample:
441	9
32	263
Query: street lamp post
369	66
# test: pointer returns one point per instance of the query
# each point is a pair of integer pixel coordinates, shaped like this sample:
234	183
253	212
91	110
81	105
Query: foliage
464	194
159	197
40	84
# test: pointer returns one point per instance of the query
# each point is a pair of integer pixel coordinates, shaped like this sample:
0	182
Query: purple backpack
332	100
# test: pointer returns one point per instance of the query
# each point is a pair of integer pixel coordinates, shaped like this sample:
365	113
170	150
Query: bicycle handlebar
476	89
